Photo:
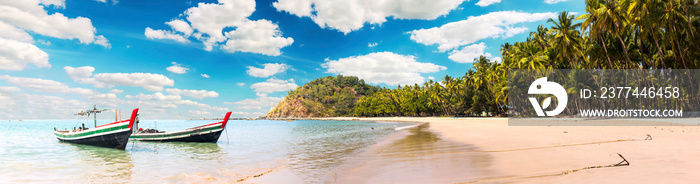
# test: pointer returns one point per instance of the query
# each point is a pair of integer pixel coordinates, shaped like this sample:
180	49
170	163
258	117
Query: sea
310	149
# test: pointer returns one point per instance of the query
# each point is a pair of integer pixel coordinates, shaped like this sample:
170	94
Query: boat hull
116	140
187	136
205	133
112	135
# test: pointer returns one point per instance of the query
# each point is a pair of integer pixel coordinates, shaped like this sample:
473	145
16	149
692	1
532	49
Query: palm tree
567	39
592	22
643	14
615	16
541	36
529	56
670	17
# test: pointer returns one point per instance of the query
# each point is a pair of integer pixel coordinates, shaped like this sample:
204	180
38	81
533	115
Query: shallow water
311	149
417	155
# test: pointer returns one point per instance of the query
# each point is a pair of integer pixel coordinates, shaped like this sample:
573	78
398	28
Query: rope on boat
261	174
624	162
47	135
226	135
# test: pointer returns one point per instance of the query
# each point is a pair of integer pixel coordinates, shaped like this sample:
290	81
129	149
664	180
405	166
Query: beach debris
648	137
261	174
624	162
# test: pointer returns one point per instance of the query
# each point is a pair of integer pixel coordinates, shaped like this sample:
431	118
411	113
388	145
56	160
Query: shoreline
538	154
543	154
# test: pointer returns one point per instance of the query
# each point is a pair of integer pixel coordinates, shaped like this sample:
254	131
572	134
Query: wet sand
416	155
541	154
468	150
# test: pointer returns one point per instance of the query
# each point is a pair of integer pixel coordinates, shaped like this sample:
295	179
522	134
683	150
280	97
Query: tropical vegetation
612	34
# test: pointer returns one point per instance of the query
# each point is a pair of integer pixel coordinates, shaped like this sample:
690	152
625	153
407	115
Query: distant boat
112	135
204	133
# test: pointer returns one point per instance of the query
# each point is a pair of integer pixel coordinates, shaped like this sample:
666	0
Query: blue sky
191	59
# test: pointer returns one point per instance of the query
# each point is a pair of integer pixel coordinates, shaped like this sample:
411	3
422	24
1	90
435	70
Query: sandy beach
475	150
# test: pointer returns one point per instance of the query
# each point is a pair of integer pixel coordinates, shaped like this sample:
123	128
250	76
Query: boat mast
94	111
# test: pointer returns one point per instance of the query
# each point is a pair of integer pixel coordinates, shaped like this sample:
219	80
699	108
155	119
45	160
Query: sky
200	59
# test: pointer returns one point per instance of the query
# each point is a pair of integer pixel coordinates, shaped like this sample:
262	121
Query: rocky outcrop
323	97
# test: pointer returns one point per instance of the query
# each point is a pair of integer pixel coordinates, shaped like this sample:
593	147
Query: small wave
409	126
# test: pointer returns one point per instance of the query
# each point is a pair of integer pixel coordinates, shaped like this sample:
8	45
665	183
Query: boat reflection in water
105	165
200	151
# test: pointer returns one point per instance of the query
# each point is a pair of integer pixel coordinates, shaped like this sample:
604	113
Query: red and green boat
112	135
204	133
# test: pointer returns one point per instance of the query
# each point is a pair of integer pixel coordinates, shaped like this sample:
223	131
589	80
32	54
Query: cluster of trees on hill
613	34
324	97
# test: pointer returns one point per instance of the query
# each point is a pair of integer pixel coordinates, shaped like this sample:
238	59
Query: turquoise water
310	149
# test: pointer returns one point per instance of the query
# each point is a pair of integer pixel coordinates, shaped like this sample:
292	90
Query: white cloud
493	25
80	74
205	76
26	106
158	96
163	34
349	15
217	108
192	103
13	33
240	84
148	81
177	68
101	40
19	17
212	18
153	106
44	42
248	114
44	85
207	22
198	94
383	67
15	55
268	69
484	3
370	45
30	15
199	113
273	85
554	1
497	59
469	53
161	101
107	100
117	91
9	89
55	3
180	26
260	36
262	103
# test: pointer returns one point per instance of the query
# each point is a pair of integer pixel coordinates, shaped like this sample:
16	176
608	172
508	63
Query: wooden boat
204	133
112	135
